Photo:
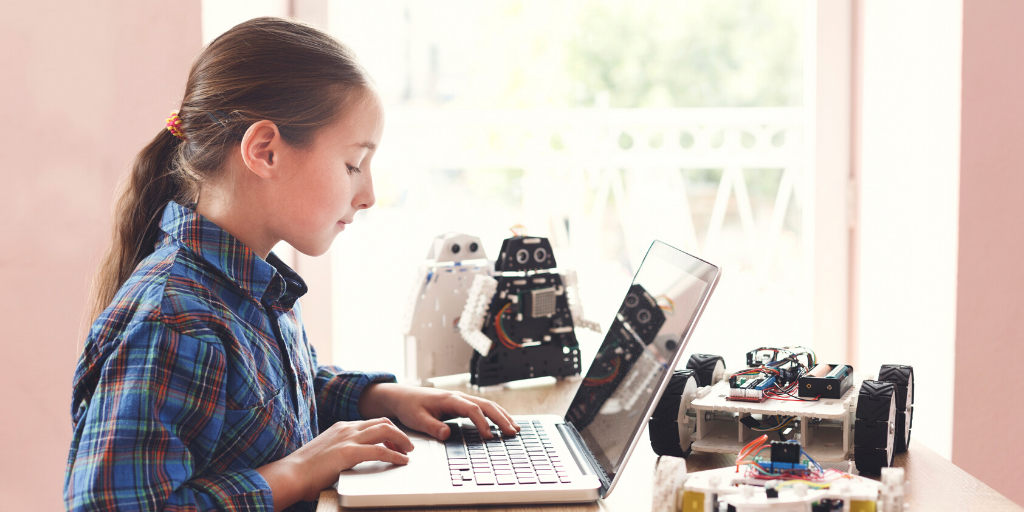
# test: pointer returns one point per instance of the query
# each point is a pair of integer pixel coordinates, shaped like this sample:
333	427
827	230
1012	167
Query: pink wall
84	85
990	297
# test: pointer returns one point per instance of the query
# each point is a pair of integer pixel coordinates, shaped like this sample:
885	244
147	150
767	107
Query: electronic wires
500	329
780	424
808	472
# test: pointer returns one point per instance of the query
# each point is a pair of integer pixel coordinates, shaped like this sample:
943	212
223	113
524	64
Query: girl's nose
365	198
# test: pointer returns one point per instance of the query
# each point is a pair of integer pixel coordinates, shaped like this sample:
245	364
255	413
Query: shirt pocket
254	436
255	374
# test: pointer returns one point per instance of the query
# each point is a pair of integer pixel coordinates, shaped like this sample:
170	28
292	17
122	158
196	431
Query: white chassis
717	427
703	491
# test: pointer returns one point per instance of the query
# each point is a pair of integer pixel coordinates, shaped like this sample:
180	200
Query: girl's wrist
376	400
282	477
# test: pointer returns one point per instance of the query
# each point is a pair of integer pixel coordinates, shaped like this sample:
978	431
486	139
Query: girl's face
327	183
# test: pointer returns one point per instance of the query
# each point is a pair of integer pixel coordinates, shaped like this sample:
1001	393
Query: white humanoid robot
521	320
433	344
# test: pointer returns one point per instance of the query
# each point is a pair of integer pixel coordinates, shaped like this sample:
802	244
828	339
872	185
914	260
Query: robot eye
456	248
643	316
522	256
473	247
540	254
632	300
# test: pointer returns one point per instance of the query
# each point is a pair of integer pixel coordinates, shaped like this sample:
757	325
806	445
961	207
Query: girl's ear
260	146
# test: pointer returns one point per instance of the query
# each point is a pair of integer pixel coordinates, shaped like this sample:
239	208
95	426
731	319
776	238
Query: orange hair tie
174	125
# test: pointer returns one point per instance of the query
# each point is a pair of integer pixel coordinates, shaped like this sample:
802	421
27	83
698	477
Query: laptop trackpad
427	453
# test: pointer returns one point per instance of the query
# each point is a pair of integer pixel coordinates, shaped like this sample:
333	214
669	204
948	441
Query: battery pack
834	384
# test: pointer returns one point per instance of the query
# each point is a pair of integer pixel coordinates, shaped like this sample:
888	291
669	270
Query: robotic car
780	476
785	392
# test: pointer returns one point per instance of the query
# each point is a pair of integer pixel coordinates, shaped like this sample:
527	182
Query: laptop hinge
584	459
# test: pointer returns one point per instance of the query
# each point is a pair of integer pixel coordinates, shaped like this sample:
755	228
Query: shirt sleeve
153	420
338	391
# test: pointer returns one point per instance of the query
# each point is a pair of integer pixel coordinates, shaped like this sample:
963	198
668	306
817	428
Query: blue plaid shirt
198	373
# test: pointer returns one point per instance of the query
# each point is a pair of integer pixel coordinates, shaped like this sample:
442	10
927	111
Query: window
599	124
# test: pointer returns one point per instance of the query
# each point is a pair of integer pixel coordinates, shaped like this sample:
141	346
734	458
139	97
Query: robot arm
575	305
471	322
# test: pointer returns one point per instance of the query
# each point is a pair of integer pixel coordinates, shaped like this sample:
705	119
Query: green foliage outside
629	54
695	53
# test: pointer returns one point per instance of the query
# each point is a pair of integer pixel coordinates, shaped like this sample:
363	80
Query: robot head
455	247
522	253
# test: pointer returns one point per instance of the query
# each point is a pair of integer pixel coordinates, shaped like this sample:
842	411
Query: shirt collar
266	280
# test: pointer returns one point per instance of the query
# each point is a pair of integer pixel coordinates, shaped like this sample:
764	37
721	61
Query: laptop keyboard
527	458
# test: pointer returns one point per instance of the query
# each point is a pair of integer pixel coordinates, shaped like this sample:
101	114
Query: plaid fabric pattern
197	373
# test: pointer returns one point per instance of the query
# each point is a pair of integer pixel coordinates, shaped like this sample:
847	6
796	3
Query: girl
197	388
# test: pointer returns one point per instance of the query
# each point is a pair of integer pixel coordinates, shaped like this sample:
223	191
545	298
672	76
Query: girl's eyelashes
352	168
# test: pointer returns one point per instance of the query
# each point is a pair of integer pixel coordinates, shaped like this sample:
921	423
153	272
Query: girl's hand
422	409
316	466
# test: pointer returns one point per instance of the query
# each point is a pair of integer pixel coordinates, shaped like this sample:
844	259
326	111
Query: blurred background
851	166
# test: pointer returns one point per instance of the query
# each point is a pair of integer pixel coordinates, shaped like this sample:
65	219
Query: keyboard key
484	479
482	470
564	480
455	451
457	483
506	479
547	479
525	481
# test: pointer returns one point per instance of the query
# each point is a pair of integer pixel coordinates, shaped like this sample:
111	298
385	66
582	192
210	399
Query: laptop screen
639	350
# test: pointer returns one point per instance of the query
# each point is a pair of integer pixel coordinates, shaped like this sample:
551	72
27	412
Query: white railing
601	184
576	162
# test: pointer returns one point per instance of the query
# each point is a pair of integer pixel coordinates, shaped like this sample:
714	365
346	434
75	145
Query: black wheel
903	377
875	428
667	438
707	368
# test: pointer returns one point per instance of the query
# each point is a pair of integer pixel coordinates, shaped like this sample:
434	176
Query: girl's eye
352	168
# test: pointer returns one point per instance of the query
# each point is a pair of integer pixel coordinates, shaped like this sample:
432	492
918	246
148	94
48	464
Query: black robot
521	321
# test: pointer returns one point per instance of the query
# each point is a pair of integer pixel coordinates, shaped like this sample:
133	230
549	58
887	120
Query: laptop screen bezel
706	268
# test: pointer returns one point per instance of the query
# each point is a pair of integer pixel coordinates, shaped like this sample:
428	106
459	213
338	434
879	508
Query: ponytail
266	68
151	184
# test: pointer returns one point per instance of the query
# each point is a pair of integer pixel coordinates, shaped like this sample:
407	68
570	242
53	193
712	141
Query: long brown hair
265	68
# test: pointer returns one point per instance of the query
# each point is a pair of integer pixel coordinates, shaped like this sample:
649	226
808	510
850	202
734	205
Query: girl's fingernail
440	433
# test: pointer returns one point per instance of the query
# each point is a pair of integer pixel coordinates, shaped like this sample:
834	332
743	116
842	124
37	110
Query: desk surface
932	482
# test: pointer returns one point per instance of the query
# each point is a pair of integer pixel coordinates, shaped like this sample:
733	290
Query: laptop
577	457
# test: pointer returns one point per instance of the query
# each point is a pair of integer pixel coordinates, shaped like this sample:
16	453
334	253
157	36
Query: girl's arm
156	417
345	396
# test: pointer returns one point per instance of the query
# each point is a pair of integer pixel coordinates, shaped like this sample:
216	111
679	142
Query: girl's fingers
496	414
385	432
431	425
468	409
363	425
366	452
